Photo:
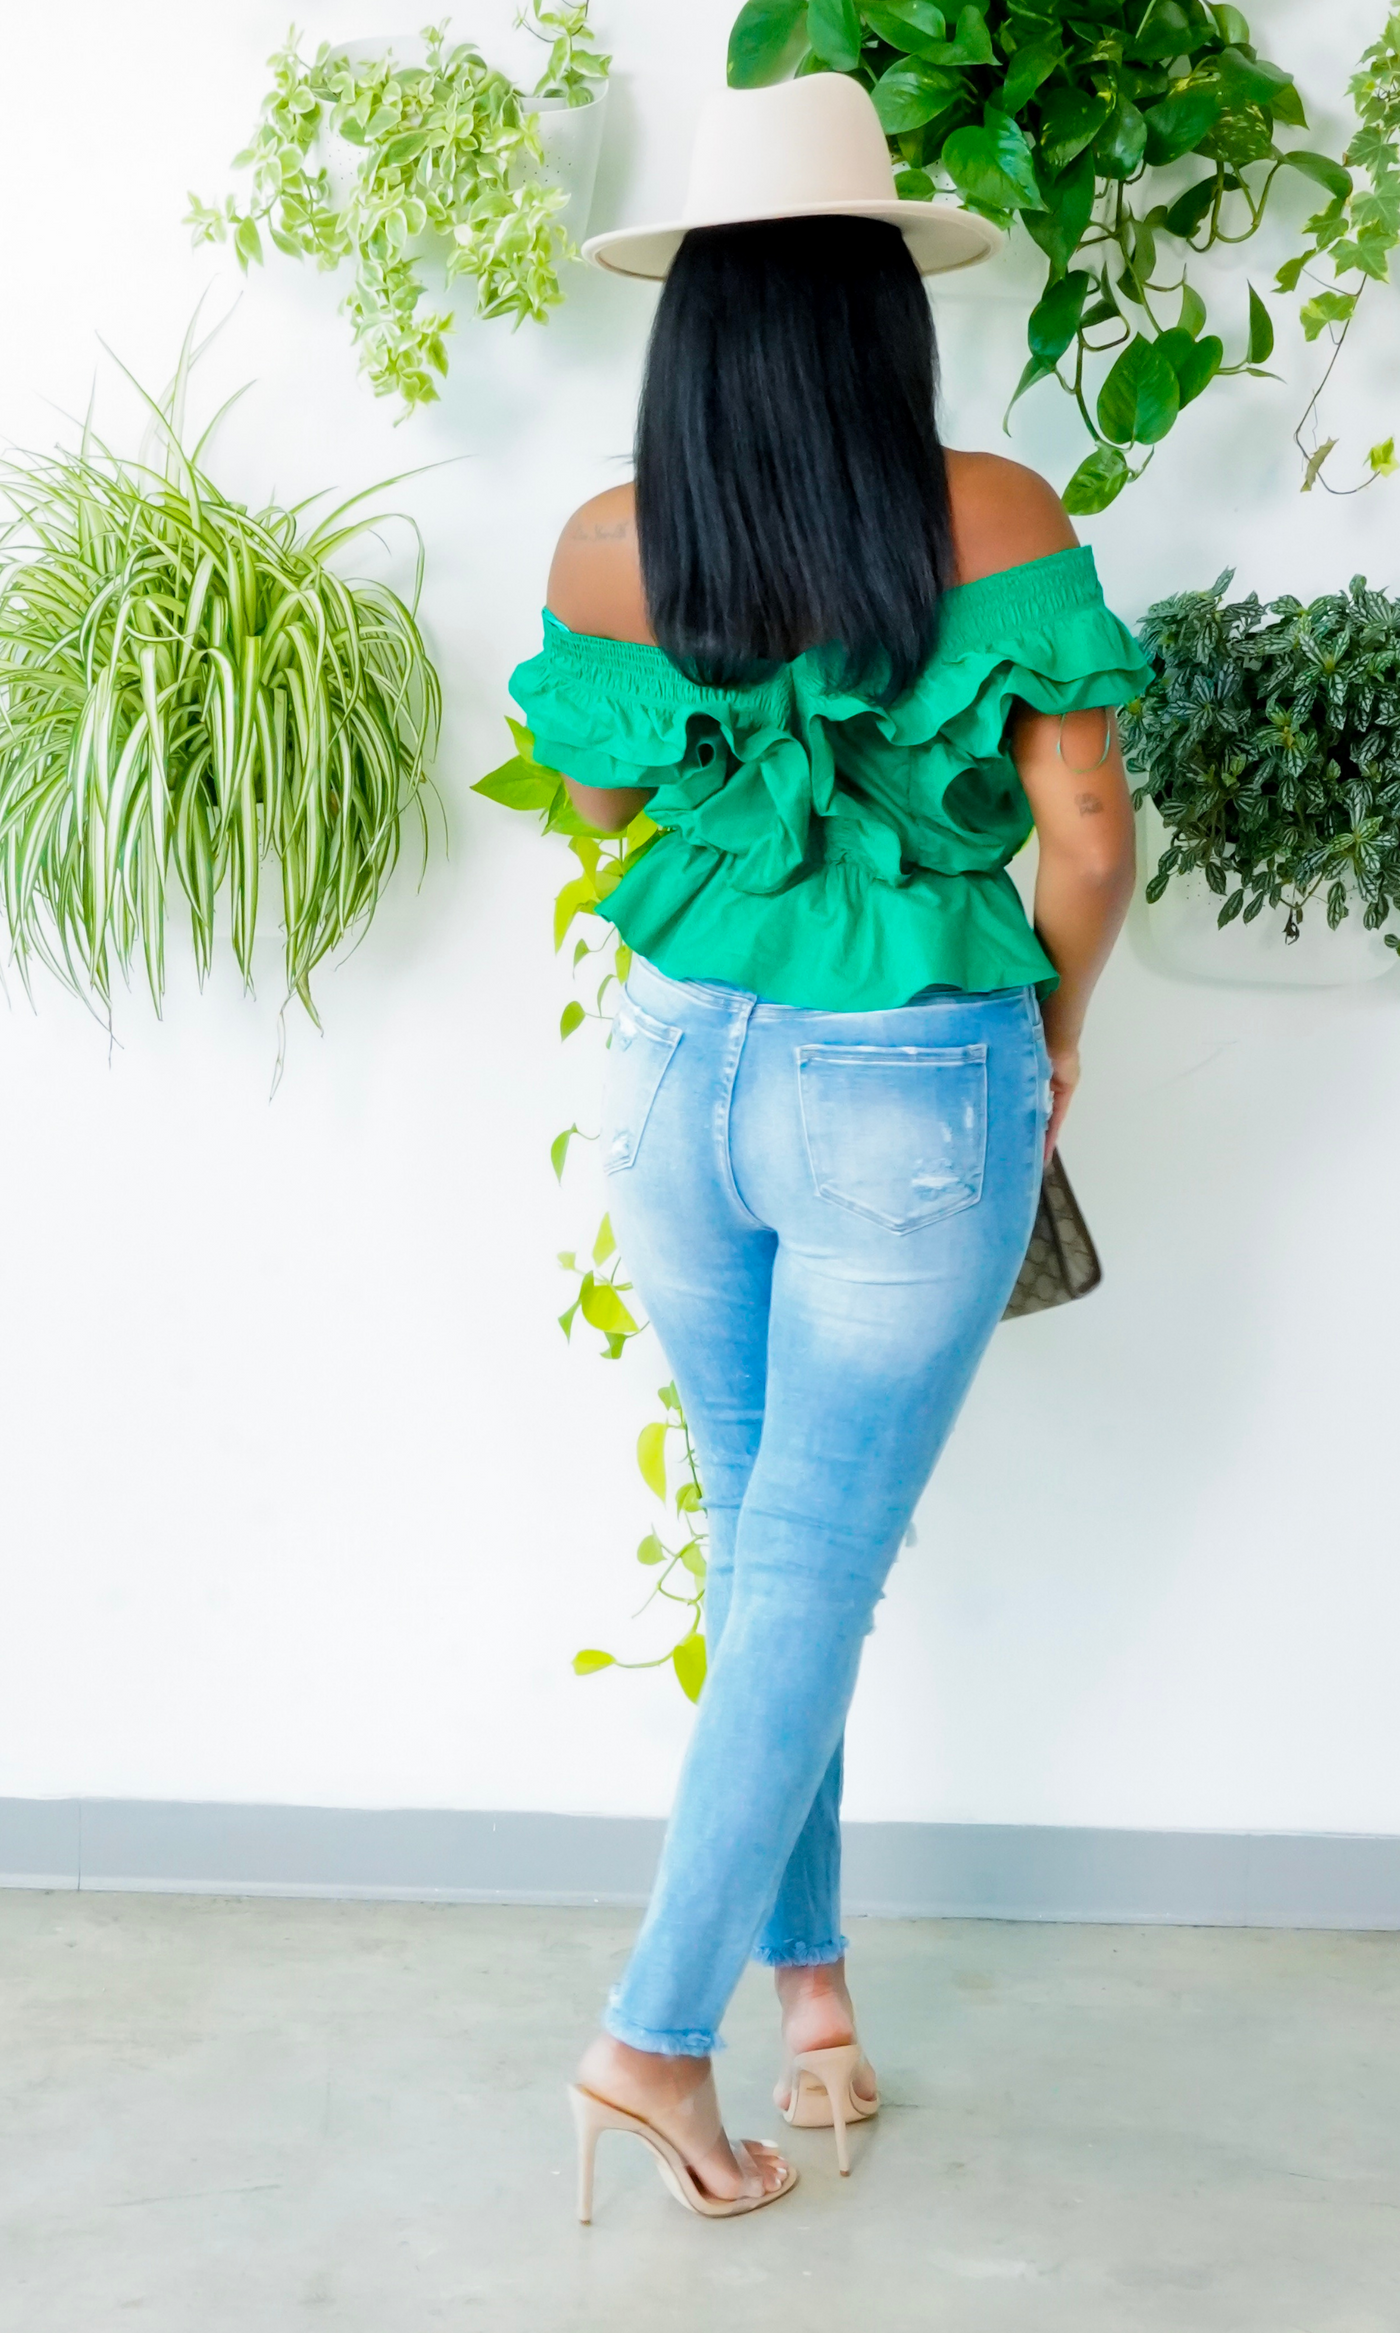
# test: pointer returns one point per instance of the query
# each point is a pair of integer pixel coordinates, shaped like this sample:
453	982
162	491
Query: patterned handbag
1061	1261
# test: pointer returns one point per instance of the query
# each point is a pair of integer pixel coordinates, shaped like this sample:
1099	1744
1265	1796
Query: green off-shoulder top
819	849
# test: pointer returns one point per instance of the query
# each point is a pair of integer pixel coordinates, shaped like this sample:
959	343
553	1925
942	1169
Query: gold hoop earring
1073	767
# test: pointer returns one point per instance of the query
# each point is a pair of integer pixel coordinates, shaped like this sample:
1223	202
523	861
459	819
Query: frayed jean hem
696	2044
798	1955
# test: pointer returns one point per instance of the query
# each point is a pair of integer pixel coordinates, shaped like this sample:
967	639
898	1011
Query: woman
843	668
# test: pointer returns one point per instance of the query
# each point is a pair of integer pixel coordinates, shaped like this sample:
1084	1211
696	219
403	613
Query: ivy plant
447	148
1269	739
189	691
599	1293
1065	114
1357	231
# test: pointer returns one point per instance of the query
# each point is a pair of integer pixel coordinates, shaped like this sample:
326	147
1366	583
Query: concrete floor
244	2116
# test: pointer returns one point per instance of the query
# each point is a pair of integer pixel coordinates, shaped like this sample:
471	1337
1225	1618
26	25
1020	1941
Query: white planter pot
1181	938
571	135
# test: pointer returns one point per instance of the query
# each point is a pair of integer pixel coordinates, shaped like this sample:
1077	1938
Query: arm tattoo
598	533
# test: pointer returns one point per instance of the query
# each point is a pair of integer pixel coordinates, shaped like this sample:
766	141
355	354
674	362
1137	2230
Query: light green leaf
604	1245
692	1555
668	1396
587	1664
1322	170
604	1309
688	1661
651	1550
1327	308
1100	478
559	1151
1315	462
651	1458
1193	311
1381	459
572	1017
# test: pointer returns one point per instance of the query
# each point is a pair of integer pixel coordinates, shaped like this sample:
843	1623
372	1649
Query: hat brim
940	237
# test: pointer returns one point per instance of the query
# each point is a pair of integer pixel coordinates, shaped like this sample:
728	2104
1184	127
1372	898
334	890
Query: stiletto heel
586	2127
593	2114
821	2085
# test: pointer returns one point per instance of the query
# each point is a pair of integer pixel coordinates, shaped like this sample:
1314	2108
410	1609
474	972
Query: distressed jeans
824	1214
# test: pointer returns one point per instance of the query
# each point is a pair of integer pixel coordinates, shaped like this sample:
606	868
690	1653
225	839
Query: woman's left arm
1077	788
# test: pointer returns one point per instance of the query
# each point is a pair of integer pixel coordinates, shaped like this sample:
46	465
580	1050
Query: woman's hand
1064	1077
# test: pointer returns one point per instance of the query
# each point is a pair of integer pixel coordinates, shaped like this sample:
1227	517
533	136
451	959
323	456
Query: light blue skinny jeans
824	1214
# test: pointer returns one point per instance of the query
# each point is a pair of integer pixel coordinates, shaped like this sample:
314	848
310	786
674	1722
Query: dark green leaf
1054	320
1100	477
1139	400
1187	212
1195	362
1180	122
1231	25
1060	227
1322	170
910	94
1164	33
993	165
1032	63
914	186
1193	311
971	43
1242	134
764	32
1122	142
1038	369
1261	330
833	29
1070	119
910	25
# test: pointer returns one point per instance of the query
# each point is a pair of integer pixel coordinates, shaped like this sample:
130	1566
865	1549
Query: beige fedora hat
804	149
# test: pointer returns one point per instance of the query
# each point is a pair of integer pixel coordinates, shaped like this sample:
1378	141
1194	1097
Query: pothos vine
665	1452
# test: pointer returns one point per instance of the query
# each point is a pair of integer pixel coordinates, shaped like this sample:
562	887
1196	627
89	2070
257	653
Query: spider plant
187	692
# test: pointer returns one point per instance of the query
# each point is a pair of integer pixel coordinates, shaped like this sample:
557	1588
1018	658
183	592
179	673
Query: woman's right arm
595	586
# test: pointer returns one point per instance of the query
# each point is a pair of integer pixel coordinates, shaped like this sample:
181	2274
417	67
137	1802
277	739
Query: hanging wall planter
194	708
425	168
1269	742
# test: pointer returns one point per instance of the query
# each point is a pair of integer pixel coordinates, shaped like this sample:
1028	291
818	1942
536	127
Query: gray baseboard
984	1871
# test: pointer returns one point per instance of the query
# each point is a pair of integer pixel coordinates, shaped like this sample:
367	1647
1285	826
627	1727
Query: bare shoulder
595	582
1003	515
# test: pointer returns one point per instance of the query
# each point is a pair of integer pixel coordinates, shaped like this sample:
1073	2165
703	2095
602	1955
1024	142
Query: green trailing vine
1063	114
1357	232
448	148
599	1296
1269	740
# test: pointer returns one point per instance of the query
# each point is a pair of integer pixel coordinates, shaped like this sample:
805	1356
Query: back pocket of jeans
638	1052
899	1133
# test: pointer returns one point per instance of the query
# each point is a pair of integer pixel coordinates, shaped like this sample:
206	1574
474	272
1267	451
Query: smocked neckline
1032	590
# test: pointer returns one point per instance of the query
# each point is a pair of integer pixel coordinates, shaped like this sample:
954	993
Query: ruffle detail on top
820	849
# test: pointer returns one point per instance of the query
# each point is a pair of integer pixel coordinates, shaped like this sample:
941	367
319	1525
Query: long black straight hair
791	490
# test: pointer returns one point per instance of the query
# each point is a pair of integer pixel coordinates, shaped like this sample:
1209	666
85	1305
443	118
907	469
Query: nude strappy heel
822	2094
593	2115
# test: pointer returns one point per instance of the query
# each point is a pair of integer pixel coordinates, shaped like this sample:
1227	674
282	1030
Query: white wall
302	1496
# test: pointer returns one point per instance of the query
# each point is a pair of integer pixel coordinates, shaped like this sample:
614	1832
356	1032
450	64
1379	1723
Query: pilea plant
449	148
1269	739
600	1294
187	691
1061	113
1357	231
